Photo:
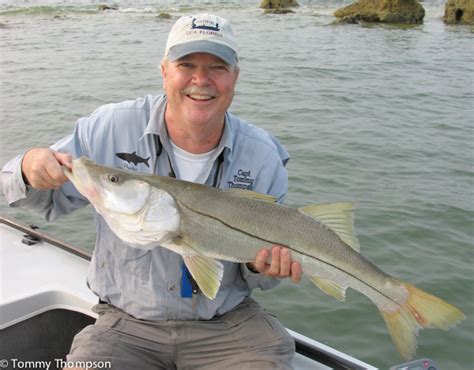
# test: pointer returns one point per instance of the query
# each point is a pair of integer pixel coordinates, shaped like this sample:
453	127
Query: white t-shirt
192	167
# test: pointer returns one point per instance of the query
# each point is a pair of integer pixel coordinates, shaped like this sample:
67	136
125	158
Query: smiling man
151	313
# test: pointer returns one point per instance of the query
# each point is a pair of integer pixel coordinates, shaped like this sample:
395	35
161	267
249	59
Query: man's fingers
54	173
281	265
44	181
260	263
41	168
64	159
274	269
285	262
296	272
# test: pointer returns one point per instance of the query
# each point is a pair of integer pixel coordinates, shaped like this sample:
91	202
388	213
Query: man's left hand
281	265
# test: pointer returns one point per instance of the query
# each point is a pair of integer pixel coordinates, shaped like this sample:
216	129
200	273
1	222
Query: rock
163	15
278	11
459	11
383	11
103	7
278	4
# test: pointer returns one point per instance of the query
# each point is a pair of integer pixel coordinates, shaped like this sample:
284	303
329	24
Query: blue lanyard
188	284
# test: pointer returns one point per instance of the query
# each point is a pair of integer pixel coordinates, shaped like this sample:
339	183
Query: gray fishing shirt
132	135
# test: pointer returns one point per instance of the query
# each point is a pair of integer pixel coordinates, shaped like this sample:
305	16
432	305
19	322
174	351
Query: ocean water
375	114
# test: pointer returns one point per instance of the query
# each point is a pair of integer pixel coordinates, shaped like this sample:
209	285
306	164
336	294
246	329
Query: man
151	314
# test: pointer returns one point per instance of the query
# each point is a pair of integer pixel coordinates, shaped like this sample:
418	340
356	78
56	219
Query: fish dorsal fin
330	288
251	195
339	217
207	272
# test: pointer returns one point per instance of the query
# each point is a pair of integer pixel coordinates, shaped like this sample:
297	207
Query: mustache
195	90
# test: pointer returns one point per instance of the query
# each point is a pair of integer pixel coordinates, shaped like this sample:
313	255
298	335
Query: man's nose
202	76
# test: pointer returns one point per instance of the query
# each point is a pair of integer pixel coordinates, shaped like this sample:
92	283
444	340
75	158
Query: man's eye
220	67
185	65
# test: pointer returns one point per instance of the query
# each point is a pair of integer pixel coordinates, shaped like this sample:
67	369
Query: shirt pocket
125	263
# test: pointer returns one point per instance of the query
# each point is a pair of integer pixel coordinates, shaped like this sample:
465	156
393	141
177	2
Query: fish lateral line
302	253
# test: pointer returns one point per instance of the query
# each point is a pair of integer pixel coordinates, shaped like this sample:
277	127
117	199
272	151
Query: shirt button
101	264
172	287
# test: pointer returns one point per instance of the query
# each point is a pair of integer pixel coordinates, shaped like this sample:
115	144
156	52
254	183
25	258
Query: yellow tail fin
421	310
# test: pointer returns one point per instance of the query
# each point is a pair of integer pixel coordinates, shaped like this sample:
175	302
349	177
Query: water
379	115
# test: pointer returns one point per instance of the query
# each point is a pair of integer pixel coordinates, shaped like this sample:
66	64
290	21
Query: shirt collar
156	123
156	126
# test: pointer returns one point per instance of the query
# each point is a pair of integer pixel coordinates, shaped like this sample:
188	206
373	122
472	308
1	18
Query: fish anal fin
207	272
330	288
339	217
251	195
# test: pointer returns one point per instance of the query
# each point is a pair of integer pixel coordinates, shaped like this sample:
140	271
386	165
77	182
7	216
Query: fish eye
114	178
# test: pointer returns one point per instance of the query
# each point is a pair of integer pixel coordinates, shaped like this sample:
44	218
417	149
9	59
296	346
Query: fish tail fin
420	310
146	161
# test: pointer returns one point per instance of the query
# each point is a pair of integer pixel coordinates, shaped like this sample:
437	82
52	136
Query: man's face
199	88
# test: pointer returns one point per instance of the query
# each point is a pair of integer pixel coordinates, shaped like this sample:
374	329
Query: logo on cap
204	24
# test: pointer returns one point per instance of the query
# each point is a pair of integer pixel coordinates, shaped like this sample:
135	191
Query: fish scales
276	224
213	227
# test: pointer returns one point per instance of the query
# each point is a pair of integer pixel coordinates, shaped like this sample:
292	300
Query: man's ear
163	73
237	72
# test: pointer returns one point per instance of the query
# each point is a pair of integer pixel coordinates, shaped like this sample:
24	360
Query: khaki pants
244	338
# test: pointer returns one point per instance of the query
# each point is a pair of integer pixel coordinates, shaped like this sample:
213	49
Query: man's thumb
64	159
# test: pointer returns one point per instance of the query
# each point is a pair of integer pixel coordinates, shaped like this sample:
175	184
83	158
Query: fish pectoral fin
339	217
207	272
251	195
330	288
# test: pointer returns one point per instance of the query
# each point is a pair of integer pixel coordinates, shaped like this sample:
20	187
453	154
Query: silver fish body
206	225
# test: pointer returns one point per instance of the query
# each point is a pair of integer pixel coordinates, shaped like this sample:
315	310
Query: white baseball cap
202	33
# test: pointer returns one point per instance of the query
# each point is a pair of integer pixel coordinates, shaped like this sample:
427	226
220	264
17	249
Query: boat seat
44	337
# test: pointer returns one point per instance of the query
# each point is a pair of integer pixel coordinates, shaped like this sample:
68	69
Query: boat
44	302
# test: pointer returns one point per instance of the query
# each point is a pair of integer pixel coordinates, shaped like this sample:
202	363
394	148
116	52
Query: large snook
206	225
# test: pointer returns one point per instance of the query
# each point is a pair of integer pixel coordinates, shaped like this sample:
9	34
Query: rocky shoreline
384	11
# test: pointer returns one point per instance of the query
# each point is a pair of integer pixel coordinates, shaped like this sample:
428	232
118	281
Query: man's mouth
199	97
200	94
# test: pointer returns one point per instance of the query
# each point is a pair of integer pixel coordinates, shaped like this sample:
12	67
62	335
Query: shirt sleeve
272	180
49	203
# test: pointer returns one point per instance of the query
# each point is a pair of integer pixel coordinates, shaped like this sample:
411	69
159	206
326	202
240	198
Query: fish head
109	190
140	214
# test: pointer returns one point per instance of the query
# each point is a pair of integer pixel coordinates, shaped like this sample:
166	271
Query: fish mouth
82	181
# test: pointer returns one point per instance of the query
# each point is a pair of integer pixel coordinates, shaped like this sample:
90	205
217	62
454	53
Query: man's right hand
41	168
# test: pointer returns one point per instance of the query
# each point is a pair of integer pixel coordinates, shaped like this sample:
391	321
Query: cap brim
221	51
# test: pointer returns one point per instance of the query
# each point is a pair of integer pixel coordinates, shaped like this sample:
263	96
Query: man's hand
41	168
281	266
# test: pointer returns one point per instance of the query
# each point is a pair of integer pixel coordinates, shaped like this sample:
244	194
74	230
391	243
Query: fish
206	226
133	158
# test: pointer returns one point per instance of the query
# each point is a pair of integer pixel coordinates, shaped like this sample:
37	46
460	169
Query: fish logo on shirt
133	158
